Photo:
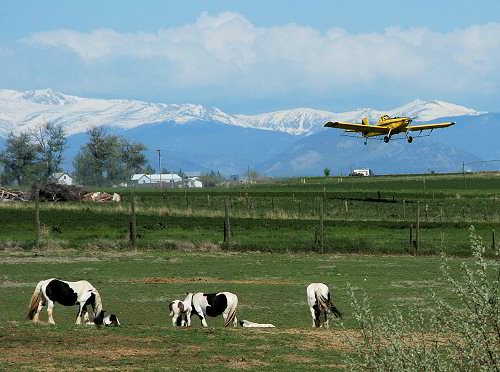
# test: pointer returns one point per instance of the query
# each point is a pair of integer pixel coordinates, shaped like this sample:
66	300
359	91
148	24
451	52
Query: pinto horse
212	304
82	293
320	304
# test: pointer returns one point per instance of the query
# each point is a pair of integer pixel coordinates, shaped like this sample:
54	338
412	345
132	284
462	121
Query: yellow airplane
386	127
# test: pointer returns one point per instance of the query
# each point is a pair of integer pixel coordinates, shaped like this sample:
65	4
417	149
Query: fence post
227	224
404	209
208	200
346	207
321	218
37	217
417	233
133	224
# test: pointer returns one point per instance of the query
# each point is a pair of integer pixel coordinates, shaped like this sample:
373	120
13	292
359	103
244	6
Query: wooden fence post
346	207
404	209
417	233
227	223
133	221
37	217
208	200
321	218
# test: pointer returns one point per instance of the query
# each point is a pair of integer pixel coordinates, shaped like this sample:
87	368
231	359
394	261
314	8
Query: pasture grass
137	286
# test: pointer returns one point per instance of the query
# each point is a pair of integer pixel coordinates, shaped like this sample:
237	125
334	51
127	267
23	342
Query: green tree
327	172
108	159
19	159
50	141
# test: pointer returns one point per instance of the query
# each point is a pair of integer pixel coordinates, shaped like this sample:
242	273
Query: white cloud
224	49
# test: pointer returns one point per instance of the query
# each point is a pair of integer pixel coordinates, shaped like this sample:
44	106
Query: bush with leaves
460	337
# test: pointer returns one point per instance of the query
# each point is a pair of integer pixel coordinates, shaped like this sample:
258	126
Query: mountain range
283	143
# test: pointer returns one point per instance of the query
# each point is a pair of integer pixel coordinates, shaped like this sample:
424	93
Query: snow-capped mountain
23	111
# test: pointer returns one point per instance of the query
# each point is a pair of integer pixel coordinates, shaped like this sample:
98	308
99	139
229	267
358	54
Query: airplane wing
430	126
358	127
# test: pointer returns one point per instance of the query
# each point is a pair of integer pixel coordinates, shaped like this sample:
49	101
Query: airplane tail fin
365	121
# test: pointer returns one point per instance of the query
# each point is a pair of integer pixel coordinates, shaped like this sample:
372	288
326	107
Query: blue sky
256	56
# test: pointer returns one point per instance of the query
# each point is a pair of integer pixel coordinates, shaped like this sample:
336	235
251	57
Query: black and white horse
212	304
81	293
320	304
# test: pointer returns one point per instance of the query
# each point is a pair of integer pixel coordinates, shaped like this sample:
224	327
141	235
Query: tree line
104	160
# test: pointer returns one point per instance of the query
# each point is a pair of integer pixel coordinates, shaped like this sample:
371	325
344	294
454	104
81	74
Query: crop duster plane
386	127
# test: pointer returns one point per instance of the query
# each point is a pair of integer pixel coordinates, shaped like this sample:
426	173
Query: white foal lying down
212	304
249	324
320	304
178	312
81	293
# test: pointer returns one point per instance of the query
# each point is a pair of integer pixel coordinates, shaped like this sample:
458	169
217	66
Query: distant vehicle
386	127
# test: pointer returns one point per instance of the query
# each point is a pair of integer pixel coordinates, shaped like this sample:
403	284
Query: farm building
362	172
142	179
62	178
194	182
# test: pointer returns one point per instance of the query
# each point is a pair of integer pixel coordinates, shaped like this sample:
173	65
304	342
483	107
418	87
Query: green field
138	286
274	253
369	215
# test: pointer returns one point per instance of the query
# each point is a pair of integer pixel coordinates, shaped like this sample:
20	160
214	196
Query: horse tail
326	303
231	316
35	301
335	311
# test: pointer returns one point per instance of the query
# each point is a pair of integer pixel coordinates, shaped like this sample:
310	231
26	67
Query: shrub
462	337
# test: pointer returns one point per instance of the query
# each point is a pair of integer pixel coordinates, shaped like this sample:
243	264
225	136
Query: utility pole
159	163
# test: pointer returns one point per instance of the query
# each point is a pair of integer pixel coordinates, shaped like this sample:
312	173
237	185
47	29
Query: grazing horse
178	310
212	304
82	293
318	298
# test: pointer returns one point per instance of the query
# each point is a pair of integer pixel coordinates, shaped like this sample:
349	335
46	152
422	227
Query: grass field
272	257
138	286
361	215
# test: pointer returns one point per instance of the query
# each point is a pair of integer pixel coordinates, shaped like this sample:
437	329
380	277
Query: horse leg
50	306
85	315
188	316
79	315
174	319
313	314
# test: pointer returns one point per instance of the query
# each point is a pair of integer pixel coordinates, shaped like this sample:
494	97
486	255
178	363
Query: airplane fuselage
395	125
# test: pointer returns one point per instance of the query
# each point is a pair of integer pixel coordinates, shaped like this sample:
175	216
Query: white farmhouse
142	179
62	178
194	182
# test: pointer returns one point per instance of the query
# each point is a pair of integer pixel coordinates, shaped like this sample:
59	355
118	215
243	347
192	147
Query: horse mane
97	302
323	303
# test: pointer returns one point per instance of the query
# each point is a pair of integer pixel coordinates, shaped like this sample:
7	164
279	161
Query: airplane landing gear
410	139
386	139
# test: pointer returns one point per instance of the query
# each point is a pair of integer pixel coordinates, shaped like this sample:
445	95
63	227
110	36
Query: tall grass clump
456	332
